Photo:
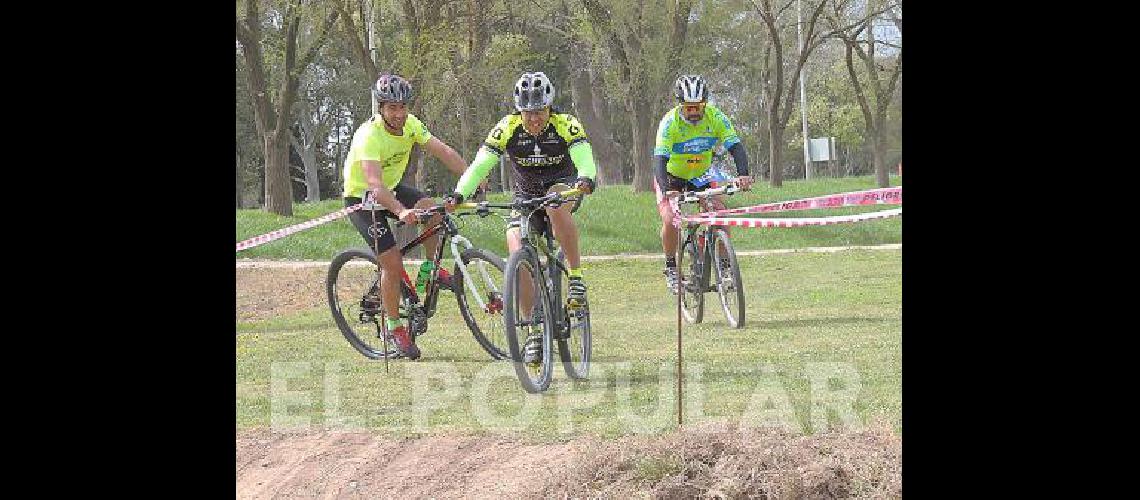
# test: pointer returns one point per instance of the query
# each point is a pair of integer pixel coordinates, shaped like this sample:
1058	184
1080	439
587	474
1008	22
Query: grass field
821	349
612	221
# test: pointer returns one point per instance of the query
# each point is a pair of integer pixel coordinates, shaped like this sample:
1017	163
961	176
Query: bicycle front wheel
485	271
728	283
353	287
573	333
693	298
526	314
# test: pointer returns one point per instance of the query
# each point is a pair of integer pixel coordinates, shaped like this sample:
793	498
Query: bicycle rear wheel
523	272
353	289
573	332
729	286
486	323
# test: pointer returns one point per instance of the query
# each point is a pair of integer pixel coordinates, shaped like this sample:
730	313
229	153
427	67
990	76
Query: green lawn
821	348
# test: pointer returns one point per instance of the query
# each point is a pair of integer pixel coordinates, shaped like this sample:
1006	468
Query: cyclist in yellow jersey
682	155
375	164
548	152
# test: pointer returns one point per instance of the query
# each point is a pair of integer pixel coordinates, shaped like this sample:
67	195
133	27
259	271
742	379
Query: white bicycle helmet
691	88
533	92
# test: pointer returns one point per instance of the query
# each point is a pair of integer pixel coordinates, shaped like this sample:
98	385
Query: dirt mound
723	463
708	463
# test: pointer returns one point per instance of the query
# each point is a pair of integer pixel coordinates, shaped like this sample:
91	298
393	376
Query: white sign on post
822	148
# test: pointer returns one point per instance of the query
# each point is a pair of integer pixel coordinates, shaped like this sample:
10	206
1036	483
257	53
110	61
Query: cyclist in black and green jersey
683	153
548	151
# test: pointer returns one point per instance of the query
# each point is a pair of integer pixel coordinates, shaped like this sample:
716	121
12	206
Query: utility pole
372	51
803	97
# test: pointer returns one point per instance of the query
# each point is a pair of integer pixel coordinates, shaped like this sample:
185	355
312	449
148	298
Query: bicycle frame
450	231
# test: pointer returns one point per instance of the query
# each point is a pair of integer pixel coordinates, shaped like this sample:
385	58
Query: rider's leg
669	235
391	267
374	228
432	242
668	231
391	275
565	231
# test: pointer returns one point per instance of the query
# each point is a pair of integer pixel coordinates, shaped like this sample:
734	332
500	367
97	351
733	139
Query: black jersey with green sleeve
561	150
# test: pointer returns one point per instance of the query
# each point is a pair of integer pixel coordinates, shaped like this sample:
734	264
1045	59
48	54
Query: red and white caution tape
878	196
281	233
868	197
791	221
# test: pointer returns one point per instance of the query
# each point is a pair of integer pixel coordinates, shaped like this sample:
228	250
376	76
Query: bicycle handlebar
553	199
482	209
695	196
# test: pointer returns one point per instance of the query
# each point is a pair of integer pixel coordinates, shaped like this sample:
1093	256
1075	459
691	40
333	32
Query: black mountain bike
540	257
353	286
707	248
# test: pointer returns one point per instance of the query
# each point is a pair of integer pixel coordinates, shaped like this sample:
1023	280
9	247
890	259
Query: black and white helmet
533	92
691	88
391	88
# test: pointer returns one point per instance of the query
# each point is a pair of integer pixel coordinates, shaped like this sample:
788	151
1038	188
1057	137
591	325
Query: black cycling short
677	183
362	219
539	222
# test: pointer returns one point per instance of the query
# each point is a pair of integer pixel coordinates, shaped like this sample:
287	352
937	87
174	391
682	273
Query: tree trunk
879	154
338	166
873	98
278	192
619	162
601	139
643	137
312	181
273	119
307	149
775	150
238	155
832	153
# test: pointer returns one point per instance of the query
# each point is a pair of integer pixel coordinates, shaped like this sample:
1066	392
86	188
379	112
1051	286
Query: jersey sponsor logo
497	134
393	160
538	160
695	145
